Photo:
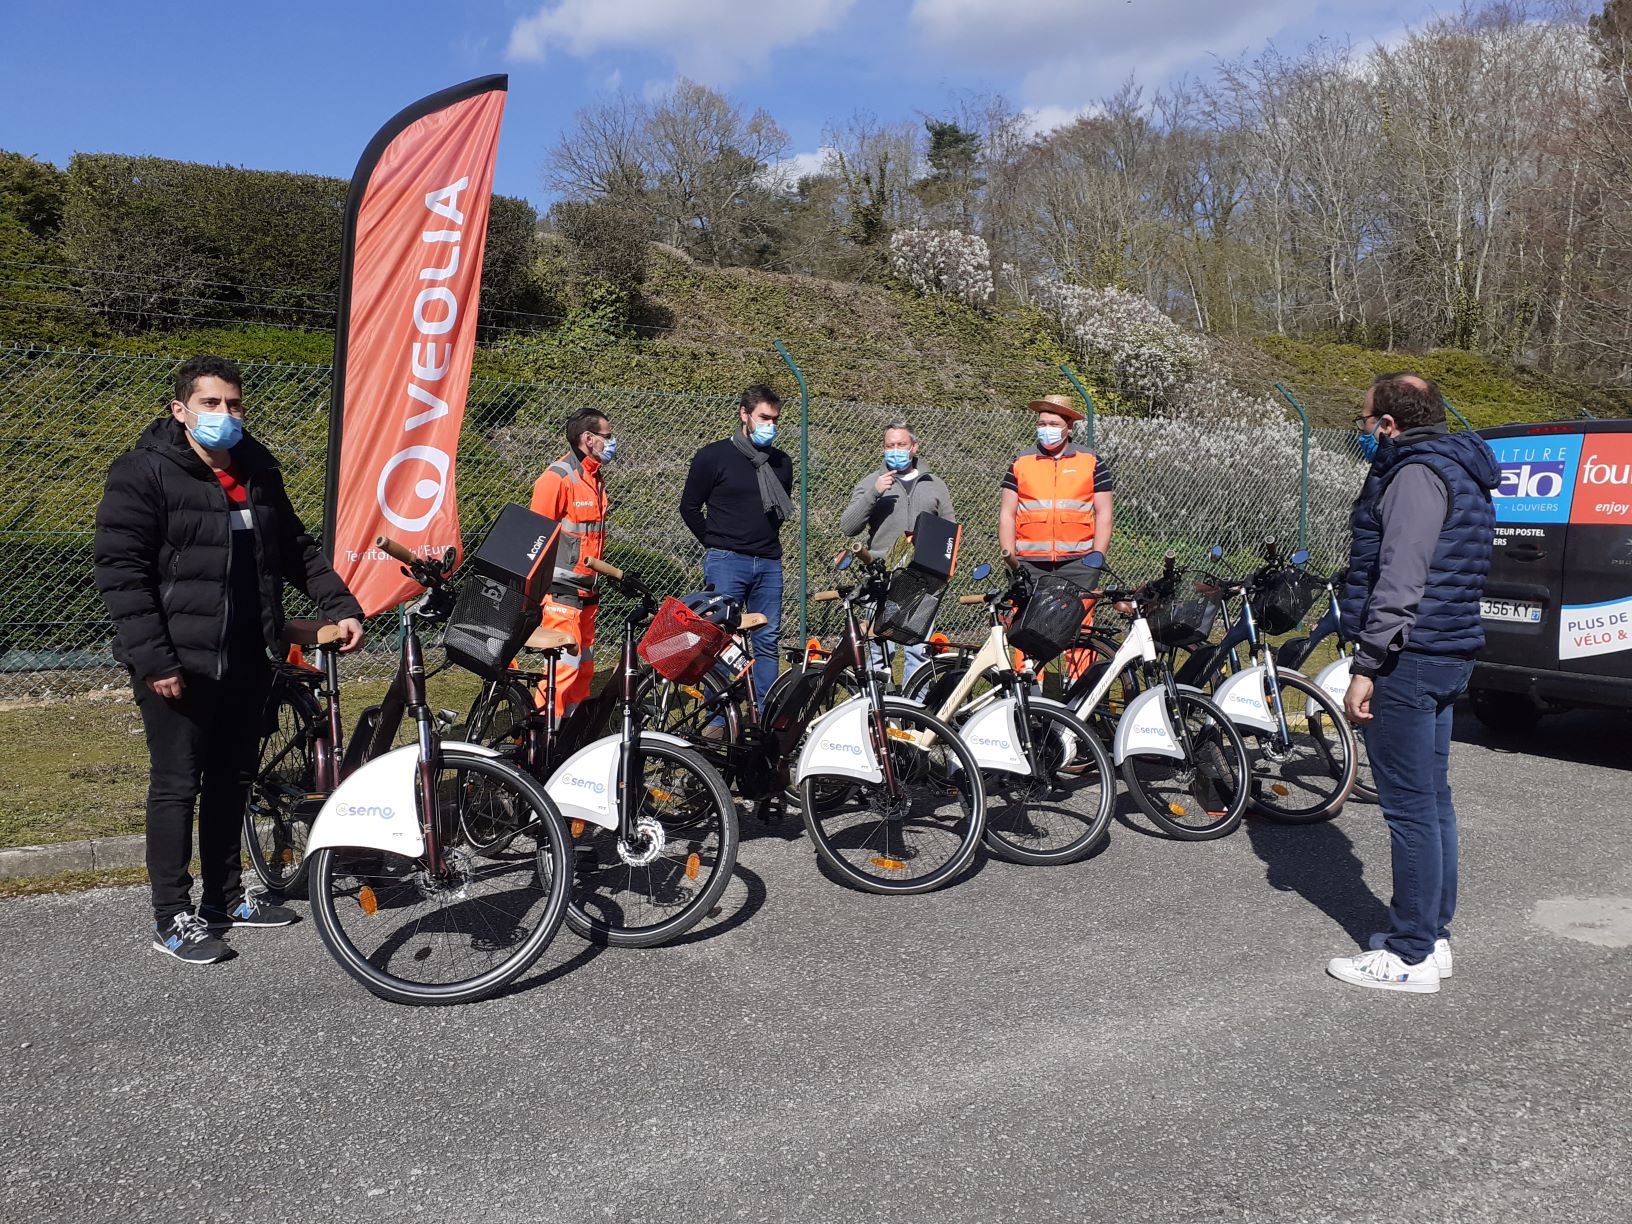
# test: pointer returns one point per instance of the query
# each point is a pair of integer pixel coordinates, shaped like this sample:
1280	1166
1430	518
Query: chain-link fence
1181	485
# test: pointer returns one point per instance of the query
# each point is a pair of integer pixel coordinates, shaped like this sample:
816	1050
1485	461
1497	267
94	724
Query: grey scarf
773	498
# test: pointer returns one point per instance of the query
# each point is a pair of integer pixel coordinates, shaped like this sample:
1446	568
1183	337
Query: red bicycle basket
680	645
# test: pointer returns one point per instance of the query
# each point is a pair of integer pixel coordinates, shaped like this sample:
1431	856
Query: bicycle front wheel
665	875
1303	775
1060	812
279	809
413	933
1202	795
919	838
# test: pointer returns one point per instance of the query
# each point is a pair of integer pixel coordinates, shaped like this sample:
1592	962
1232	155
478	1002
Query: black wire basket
1183	624
1281	600
1050	621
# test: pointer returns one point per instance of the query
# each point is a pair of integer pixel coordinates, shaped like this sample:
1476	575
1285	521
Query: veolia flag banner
416	223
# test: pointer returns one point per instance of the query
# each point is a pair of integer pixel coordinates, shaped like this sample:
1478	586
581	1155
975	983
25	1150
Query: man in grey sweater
887	502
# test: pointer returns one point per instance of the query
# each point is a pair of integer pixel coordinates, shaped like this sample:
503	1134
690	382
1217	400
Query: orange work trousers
574	669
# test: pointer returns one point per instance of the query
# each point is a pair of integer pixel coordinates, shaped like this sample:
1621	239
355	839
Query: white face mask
1049	436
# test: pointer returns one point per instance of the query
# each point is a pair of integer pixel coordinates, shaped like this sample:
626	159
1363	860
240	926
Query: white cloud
711	41
1041	120
785	175
1067	52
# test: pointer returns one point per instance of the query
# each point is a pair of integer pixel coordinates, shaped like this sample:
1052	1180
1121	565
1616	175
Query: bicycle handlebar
603	568
826	596
1010	560
861	554
394	550
971	600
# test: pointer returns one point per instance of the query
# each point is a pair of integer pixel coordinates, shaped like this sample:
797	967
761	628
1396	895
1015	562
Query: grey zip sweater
887	516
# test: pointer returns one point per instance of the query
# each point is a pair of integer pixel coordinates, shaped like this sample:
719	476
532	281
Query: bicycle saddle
550	641
310	633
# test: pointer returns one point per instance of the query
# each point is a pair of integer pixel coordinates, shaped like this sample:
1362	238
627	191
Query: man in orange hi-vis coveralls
1056	507
572	492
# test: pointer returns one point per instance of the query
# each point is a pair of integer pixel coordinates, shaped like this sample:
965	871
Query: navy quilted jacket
1447	617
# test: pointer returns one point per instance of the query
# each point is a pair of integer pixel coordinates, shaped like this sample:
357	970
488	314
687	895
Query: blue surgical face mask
609	452
898	458
763	434
1049	436
217	430
1368	445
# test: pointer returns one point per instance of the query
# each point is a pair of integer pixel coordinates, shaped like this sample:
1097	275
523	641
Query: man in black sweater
195	540
736	499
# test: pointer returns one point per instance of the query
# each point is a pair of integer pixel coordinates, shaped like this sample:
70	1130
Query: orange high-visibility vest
571	492
1055	518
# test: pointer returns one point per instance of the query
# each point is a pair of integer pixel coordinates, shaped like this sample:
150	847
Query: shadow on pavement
753	900
1318	863
1582	737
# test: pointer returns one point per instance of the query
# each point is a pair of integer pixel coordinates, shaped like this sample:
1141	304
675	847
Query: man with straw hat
1056	506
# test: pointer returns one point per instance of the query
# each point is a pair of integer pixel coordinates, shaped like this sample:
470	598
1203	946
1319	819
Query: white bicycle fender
993	736
585	786
1333	681
840	743
1241	697
376	808
1146	729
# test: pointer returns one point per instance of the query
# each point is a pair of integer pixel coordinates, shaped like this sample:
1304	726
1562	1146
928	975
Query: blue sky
302	85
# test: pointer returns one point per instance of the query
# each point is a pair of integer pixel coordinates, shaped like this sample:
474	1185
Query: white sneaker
1382	970
1441	952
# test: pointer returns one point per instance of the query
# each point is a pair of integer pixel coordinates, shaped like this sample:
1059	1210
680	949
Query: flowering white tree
944	262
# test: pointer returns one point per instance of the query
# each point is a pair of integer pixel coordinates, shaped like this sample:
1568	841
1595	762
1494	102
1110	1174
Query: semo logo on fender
839	746
365	811
580	782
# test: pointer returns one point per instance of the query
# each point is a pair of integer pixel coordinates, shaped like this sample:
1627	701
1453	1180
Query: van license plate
1510	610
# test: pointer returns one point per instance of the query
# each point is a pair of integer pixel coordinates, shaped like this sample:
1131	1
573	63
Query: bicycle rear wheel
665	878
414	935
1304	776
1203	795
917	840
1060	813
279	810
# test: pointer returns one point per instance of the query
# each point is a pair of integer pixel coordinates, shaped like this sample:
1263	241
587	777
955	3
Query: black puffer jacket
163	552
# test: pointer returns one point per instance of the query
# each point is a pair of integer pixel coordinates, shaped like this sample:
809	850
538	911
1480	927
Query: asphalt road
1147	1035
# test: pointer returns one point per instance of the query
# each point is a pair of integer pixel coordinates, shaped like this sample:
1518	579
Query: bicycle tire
1022	811
1327	743
352	888
1208	782
688	710
497	720
276	823
876	853
934	681
687	874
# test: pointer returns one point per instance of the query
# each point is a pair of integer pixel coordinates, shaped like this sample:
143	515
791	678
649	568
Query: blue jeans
757	582
1409	739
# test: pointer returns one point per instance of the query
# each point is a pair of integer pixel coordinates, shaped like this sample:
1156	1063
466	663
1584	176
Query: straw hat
1063	405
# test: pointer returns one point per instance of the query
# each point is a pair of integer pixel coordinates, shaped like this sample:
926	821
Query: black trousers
203	749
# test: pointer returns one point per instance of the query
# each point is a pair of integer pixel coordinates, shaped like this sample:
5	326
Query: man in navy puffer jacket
1423	528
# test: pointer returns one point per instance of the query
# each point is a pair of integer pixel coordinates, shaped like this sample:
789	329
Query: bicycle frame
1148	725
988	726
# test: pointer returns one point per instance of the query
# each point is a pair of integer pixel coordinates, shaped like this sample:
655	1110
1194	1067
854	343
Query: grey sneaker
188	939
1441	953
253	911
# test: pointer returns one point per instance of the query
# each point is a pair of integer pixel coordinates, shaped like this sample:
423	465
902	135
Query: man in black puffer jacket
1423	529
195	538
